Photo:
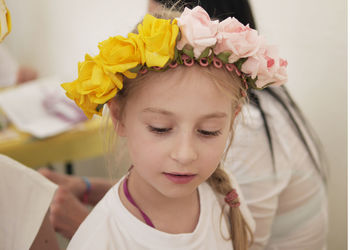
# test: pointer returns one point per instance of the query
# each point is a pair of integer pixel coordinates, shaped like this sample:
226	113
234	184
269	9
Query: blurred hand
66	212
26	74
74	184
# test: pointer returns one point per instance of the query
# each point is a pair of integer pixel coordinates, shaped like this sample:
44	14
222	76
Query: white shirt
25	196
111	226
289	204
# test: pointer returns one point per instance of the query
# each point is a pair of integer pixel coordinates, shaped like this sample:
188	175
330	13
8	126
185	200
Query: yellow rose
159	36
119	54
93	87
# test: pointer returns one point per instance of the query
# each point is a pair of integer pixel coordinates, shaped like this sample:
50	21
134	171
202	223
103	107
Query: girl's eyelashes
207	133
158	130
162	131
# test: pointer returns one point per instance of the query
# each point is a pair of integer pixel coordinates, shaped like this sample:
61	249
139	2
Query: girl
173	91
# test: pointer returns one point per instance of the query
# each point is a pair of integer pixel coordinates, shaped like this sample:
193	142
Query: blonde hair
230	84
241	234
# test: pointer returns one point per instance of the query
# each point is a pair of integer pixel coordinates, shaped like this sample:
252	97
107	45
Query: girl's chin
179	191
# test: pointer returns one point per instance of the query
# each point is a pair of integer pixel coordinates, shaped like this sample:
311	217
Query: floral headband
162	44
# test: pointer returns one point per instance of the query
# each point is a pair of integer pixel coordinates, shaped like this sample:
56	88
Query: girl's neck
172	215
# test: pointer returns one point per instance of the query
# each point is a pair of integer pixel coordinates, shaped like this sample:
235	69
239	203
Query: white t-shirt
25	196
289	204
111	226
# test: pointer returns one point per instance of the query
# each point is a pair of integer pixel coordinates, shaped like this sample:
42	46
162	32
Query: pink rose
234	37
197	30
267	66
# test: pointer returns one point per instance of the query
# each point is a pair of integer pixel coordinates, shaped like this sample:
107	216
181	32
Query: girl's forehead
184	78
181	91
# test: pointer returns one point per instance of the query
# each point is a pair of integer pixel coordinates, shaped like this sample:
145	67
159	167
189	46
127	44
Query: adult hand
74	184
67	212
26	74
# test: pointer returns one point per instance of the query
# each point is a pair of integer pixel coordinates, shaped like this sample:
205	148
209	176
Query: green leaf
205	53
99	107
210	58
271	83
136	69
223	56
179	59
176	54
240	62
188	50
178	38
252	83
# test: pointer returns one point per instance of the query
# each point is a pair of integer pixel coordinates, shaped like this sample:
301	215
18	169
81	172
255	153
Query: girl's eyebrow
158	111
168	113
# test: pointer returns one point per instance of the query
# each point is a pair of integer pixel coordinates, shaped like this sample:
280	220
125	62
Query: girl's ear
114	110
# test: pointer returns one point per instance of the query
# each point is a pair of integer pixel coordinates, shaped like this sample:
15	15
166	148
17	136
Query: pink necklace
128	196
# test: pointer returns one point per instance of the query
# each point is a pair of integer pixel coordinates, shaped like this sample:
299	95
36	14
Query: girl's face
177	125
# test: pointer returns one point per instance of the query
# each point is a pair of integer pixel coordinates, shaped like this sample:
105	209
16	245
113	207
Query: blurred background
52	36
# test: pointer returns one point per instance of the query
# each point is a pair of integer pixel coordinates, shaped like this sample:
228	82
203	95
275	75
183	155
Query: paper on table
40	107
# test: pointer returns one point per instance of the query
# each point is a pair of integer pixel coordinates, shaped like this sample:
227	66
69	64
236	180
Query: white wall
312	35
54	35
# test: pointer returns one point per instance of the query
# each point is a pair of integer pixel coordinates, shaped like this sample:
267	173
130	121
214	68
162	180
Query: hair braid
220	182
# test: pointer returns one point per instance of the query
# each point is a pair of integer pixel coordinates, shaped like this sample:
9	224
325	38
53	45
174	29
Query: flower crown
162	44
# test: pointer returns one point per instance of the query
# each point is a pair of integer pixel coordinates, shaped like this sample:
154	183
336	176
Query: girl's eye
159	130
209	133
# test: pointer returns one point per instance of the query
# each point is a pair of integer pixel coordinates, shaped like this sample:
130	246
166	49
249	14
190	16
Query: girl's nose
184	151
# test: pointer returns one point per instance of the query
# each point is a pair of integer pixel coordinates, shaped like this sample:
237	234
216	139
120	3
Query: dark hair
241	10
219	9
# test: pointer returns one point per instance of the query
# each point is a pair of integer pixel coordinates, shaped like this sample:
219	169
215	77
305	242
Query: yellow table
82	142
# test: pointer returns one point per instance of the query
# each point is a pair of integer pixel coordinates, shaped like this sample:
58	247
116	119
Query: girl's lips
180	178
